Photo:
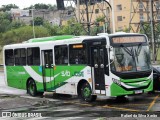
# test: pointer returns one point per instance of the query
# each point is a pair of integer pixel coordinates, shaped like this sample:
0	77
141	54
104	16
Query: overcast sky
26	3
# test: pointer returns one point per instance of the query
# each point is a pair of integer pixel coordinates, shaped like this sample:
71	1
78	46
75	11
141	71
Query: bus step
48	94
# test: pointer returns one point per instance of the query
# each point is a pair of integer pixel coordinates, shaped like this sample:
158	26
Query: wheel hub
86	92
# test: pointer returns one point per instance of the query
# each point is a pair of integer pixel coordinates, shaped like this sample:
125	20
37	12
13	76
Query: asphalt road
63	107
70	107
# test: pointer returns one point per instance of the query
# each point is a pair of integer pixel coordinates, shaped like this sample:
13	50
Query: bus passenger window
23	56
9	57
61	54
20	56
77	54
33	56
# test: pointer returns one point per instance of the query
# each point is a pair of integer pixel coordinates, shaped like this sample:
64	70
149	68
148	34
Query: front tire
86	93
31	88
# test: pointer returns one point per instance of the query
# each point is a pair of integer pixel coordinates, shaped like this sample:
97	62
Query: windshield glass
131	59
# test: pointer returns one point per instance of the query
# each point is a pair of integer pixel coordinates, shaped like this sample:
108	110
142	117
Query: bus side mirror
111	54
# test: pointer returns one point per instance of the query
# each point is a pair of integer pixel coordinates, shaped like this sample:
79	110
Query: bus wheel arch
31	87
79	86
85	92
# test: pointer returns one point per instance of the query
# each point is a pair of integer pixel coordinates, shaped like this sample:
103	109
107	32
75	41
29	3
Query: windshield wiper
130	52
138	49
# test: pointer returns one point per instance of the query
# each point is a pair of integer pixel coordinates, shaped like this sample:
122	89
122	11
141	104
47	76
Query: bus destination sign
133	39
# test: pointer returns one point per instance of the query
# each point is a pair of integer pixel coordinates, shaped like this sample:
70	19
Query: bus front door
47	69
98	69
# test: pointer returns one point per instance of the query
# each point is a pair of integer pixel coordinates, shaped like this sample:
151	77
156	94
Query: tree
73	28
16	24
100	19
8	38
52	29
41	6
37	21
52	7
8	7
22	34
5	20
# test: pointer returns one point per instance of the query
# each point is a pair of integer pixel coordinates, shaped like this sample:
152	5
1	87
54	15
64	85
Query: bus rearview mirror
111	55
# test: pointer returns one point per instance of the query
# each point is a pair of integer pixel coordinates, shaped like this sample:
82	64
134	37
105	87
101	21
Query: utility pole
87	14
152	29
78	10
113	20
33	22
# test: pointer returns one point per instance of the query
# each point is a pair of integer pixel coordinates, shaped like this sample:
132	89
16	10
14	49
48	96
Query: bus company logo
79	74
6	114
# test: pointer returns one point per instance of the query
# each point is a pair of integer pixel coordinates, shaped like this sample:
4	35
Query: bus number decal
65	73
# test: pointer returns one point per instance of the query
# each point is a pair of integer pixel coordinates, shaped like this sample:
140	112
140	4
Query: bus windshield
131	58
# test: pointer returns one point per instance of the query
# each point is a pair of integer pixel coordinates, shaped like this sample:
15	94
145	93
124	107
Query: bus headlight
118	82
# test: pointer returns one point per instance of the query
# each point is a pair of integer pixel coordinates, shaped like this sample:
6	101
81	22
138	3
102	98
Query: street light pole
78	10
87	15
152	31
33	22
113	20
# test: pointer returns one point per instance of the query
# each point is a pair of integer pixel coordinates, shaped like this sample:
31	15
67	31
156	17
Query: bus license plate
138	91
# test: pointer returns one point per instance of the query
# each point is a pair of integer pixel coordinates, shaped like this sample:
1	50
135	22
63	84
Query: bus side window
77	54
9	57
33	56
23	57
20	56
61	54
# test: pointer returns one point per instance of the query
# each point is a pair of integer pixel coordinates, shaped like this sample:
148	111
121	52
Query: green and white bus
108	64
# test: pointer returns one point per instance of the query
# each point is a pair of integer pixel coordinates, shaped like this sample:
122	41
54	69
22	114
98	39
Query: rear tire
86	93
31	88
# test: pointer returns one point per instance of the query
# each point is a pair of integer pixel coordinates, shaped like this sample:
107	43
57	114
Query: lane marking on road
115	107
118	108
152	103
71	102
133	104
106	106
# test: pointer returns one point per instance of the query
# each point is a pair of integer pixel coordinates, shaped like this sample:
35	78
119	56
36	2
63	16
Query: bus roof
52	38
64	39
58	41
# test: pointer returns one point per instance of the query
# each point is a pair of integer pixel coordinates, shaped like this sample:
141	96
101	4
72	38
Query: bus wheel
121	98
31	88
86	93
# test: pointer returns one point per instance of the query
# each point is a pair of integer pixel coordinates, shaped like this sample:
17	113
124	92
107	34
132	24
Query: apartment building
102	9
128	14
141	14
98	13
121	14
